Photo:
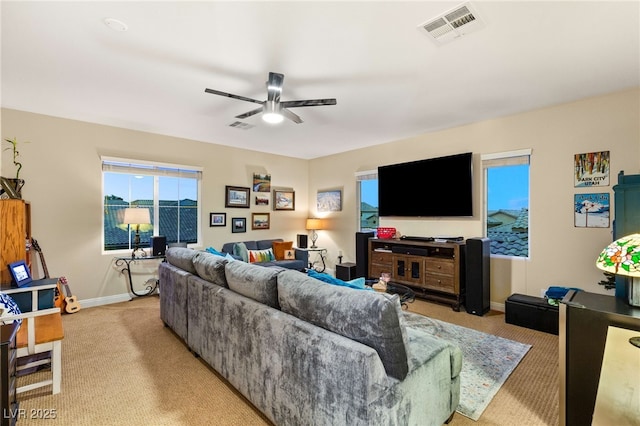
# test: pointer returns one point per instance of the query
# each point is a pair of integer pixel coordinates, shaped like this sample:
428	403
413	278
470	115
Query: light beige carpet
121	366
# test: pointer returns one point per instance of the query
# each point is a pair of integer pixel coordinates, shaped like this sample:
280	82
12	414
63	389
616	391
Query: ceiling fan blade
290	115
308	102
274	87
229	95
250	113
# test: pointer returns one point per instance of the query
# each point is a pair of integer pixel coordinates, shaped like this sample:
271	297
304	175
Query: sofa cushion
240	249
253	281
210	267
279	248
298	265
257	256
182	258
265	244
370	318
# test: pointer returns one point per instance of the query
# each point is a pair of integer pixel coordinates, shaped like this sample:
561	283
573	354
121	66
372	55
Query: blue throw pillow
214	251
357	283
8	307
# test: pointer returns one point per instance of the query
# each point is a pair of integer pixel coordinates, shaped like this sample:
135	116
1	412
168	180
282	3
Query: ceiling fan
272	109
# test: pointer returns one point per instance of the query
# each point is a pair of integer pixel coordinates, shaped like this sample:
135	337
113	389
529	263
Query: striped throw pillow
259	256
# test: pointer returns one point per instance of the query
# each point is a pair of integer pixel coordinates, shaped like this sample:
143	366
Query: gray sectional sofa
305	352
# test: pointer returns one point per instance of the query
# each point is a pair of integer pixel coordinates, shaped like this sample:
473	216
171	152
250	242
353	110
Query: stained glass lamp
622	257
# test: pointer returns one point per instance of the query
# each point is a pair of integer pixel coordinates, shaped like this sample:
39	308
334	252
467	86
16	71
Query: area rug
487	361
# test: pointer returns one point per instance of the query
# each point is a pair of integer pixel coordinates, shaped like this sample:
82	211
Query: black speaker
302	241
158	245
346	271
362	253
478	296
416	251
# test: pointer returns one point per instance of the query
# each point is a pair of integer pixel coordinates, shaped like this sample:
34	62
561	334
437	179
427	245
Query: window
169	191
507	202
367	191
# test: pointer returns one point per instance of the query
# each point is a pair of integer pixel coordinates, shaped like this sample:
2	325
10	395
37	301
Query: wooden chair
41	332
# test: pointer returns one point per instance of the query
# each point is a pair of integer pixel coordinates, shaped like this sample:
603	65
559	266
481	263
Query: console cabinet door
408	269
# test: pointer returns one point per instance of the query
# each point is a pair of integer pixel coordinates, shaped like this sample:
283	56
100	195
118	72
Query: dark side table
124	263
321	252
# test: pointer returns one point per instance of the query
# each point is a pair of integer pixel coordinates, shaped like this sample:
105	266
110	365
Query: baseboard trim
106	300
497	306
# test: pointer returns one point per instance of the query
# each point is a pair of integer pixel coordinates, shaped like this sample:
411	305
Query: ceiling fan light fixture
272	117
271	113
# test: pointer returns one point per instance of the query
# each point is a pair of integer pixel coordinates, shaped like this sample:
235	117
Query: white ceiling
390	80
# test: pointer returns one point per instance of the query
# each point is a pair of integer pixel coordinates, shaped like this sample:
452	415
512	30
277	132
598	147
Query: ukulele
70	301
58	300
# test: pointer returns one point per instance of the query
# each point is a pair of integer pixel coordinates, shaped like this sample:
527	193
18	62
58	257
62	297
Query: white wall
62	169
560	254
64	186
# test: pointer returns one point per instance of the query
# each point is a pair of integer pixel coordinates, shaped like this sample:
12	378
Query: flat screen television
434	187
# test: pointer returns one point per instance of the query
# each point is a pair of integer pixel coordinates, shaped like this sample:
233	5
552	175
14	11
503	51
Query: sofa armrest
302	255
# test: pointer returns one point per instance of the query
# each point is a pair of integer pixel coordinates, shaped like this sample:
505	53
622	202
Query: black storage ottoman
531	312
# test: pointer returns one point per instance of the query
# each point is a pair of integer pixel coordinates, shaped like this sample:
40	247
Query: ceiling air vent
453	24
241	125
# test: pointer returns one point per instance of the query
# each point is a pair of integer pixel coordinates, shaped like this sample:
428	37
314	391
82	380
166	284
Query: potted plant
12	187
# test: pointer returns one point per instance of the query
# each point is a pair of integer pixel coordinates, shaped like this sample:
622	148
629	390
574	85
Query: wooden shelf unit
434	270
15	231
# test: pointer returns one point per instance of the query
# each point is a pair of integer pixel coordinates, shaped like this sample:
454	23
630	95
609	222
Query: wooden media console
434	270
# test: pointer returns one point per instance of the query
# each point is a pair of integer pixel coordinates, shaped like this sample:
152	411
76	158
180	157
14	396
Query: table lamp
136	216
314	225
622	257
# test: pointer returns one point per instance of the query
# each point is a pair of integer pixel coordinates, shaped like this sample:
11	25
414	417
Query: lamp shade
136	216
314	224
622	257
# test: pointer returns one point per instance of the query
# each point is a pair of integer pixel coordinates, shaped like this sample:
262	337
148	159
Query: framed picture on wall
236	196
239	224
329	201
262	199
591	210
261	182
217	219
591	169
284	200
259	220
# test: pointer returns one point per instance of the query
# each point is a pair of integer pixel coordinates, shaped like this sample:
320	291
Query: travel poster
591	210
592	169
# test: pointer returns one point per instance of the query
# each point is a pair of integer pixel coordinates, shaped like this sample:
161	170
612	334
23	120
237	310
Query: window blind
367	175
119	165
510	158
